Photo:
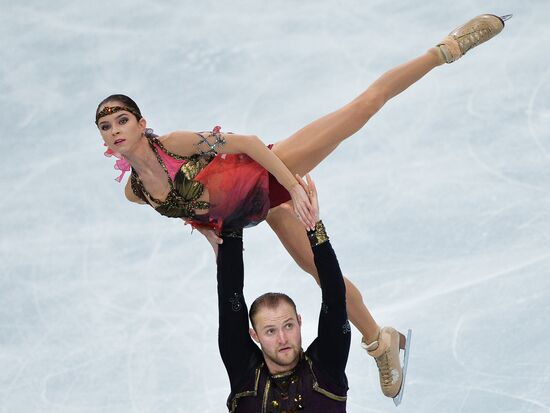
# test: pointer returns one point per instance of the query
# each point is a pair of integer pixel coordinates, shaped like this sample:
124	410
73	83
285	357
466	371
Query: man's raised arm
236	347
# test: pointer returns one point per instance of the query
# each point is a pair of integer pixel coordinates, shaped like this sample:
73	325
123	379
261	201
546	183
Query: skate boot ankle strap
372	345
449	49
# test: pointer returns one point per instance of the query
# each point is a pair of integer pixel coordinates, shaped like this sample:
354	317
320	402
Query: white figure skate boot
473	33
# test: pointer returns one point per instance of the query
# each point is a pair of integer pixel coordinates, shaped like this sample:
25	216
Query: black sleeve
237	349
331	348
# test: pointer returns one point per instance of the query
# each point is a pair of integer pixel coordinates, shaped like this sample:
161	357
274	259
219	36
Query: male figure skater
281	377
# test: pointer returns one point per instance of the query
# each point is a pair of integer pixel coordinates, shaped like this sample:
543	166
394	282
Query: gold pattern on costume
318	235
193	166
268	402
219	140
181	201
321	390
248	392
184	182
109	110
232	233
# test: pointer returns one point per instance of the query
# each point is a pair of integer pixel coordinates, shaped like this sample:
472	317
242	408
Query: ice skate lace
384	366
470	40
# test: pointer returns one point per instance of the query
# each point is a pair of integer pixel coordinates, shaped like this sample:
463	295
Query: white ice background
439	209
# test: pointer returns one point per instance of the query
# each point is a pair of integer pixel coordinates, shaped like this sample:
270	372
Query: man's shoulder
250	372
322	376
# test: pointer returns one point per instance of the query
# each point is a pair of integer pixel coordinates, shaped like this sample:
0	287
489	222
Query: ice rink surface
439	209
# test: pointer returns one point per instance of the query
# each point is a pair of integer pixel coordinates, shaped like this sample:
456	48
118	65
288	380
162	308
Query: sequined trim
254	392
236	302
232	233
266	396
319	389
109	110
281	375
318	235
174	204
346	328
136	188
219	140
172	154
316	387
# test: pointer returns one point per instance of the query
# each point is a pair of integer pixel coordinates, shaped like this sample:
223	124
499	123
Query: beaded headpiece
109	110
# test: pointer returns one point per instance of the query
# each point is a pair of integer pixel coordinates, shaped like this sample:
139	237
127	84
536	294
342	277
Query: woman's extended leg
292	235
305	149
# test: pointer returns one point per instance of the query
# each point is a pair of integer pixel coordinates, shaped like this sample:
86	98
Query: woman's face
120	130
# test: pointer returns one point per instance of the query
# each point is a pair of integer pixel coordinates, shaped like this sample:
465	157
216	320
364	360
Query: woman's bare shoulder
182	143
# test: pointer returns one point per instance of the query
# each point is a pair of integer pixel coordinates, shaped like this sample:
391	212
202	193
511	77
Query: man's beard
284	361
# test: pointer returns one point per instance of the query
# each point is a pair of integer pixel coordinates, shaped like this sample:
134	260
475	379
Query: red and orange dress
241	191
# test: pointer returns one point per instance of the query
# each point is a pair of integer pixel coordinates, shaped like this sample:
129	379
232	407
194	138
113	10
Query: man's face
278	330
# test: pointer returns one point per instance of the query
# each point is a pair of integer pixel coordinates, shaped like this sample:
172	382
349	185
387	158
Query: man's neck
278	370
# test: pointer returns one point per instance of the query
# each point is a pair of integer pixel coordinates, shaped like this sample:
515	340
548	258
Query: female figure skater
216	180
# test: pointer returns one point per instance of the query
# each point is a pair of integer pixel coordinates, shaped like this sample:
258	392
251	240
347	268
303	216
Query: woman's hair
125	100
269	300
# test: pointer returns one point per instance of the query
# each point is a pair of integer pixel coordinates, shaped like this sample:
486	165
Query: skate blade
397	399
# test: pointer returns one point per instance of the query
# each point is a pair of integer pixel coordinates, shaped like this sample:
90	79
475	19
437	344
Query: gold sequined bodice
182	199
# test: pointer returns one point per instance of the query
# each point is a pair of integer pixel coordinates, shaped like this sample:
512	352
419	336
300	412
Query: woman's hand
211	236
312	193
302	195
